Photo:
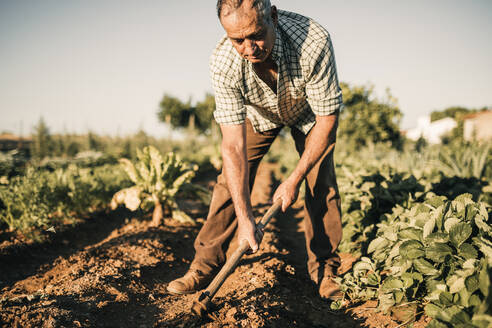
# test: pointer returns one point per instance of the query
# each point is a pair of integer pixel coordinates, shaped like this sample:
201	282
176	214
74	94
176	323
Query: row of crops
36	196
39	199
418	221
419	224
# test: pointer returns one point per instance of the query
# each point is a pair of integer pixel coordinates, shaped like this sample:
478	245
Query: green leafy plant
370	194
435	255
465	160
40	198
158	180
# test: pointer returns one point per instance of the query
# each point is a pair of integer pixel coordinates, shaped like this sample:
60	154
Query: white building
431	131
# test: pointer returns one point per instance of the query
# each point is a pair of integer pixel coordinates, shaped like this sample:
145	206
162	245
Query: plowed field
113	269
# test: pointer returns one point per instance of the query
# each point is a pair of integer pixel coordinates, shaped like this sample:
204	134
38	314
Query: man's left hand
288	192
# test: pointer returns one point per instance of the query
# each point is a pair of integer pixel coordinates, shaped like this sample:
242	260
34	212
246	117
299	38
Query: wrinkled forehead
241	22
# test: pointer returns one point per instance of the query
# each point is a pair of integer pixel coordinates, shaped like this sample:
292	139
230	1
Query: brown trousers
322	221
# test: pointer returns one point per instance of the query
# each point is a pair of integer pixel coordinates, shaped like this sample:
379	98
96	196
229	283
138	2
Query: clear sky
104	65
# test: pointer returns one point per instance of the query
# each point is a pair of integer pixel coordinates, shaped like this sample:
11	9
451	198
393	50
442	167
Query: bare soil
112	271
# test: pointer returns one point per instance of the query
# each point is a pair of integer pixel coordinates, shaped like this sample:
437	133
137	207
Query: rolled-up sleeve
229	102
323	91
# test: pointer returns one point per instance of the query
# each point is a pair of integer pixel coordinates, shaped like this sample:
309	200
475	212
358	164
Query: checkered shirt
307	83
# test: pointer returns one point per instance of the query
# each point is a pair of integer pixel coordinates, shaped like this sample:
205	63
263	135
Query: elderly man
272	69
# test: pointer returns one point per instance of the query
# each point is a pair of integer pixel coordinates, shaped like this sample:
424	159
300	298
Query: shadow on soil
22	260
135	299
70	311
454	186
300	295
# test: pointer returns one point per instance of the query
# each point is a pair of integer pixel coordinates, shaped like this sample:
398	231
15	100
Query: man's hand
320	139
288	192
235	169
247	230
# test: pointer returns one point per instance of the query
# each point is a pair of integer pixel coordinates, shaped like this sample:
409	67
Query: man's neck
266	65
267	71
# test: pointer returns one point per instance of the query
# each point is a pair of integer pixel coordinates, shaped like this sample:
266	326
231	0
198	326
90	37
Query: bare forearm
237	176
235	169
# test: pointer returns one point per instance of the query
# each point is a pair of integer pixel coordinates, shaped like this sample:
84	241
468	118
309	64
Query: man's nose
249	47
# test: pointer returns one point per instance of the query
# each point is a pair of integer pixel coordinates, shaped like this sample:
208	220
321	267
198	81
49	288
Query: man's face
252	36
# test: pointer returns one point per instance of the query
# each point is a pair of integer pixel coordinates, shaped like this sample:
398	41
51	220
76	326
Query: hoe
201	307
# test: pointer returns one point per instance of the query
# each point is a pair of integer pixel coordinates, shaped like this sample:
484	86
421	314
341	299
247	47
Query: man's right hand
247	230
235	168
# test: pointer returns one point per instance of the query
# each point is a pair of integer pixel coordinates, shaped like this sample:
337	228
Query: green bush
12	163
42	198
436	255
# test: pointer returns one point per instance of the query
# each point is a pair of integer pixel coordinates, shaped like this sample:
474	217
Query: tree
366	119
455	112
72	148
204	112
93	142
182	114
176	110
42	144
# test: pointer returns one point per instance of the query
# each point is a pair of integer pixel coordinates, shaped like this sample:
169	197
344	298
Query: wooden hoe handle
201	307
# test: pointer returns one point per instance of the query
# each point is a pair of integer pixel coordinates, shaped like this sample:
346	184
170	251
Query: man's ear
274	15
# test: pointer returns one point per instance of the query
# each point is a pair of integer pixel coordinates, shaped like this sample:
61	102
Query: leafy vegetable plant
157	181
40	198
436	255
